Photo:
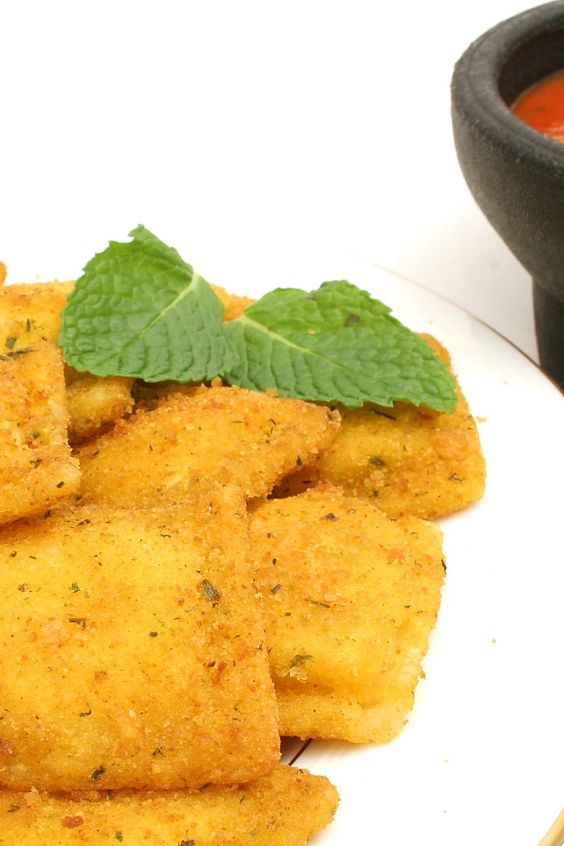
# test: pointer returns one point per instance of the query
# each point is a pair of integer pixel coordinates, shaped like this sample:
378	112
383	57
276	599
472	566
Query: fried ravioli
96	403
219	433
410	459
284	808
133	649
32	312
351	597
36	469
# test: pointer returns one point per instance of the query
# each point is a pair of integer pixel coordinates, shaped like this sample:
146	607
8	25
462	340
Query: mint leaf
139	310
336	344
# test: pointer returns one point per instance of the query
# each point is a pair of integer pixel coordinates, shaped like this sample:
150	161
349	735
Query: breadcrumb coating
351	597
32	312
133	649
409	459
285	808
36	466
230	435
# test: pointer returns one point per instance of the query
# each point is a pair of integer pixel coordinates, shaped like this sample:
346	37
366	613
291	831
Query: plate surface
480	760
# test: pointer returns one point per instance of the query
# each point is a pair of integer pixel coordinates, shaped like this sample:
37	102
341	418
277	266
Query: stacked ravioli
189	573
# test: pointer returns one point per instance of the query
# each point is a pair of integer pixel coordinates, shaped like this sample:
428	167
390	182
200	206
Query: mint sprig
336	344
140	310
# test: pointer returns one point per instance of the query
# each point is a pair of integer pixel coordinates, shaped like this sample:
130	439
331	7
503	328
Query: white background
248	135
269	142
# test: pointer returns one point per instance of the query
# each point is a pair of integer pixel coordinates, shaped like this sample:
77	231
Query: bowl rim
475	84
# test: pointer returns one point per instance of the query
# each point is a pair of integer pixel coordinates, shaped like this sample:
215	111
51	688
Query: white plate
480	761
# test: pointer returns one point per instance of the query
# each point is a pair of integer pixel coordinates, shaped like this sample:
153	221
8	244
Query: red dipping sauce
542	106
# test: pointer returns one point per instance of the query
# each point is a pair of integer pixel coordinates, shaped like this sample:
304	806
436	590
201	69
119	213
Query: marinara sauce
542	106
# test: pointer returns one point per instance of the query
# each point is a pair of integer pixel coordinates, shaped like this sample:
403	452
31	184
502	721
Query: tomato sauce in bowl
542	106
515	171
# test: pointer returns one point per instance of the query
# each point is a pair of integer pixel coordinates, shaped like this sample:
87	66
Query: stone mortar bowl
516	173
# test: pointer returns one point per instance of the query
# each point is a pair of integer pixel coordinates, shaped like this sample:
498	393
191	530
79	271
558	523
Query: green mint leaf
139	310
336	344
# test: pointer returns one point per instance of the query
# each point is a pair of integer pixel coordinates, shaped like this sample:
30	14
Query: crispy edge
40	471
323	710
285	808
446	475
94	404
214	421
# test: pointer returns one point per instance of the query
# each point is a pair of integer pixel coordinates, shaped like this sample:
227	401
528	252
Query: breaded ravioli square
351	597
285	808
36	466
409	459
32	312
230	435
94	403
132	649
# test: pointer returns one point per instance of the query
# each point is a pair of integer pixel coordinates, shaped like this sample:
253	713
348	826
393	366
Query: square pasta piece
133	649
351	598
229	435
285	808
36	466
410	459
32	312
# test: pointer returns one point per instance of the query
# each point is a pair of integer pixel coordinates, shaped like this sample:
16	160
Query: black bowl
515	173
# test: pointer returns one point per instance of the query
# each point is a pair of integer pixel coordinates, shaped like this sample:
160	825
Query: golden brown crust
95	403
350	597
37	469
285	808
32	311
411	460
133	649
225	434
